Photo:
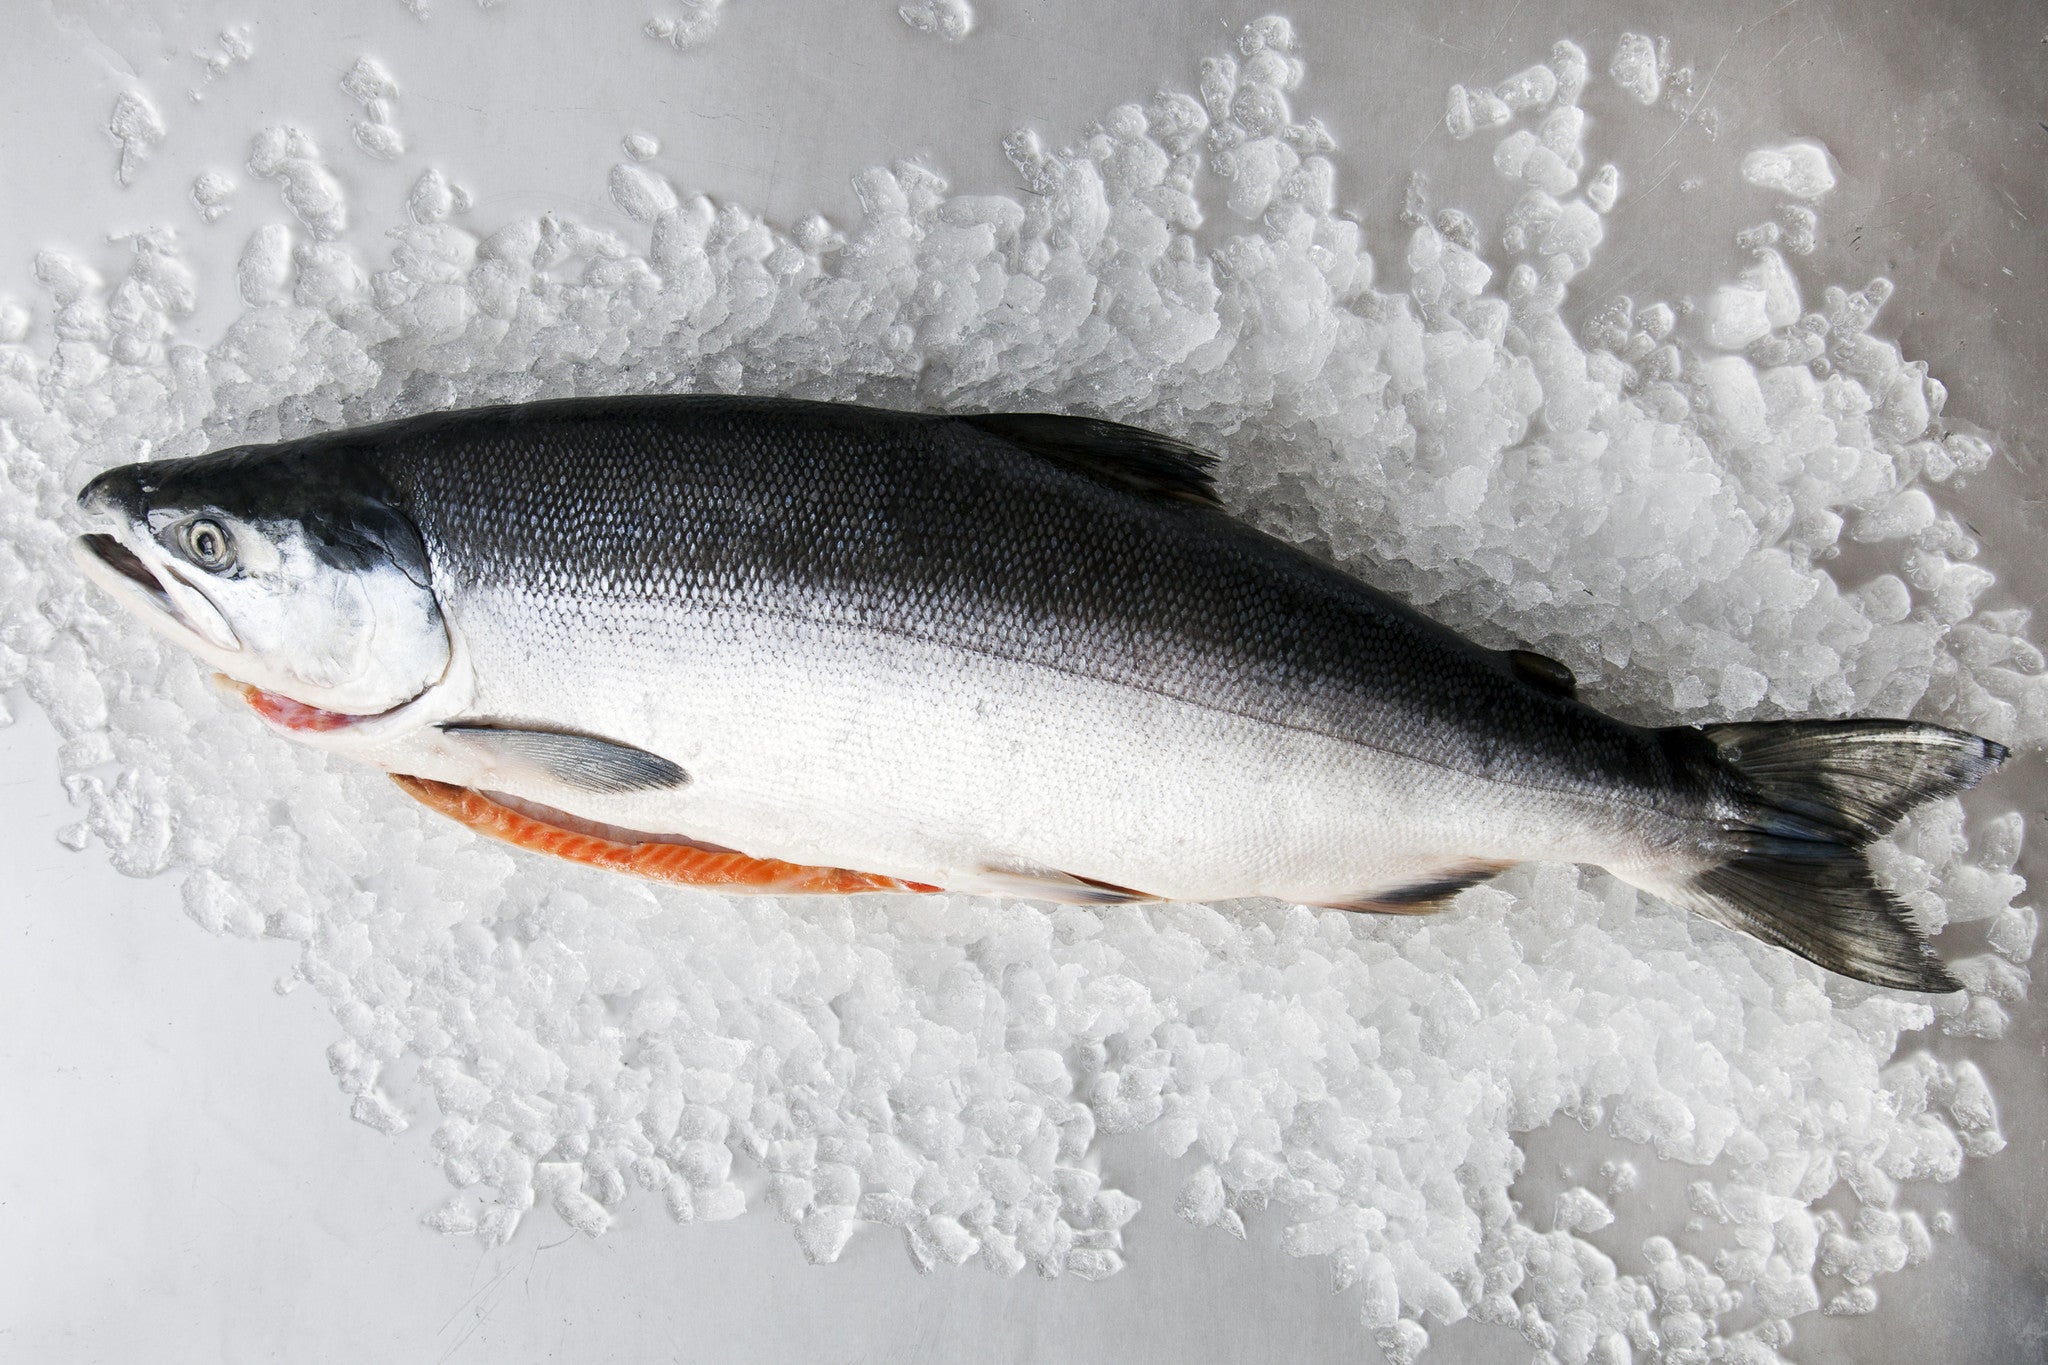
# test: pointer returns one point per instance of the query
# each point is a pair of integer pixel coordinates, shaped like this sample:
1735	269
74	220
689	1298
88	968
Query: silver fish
764	644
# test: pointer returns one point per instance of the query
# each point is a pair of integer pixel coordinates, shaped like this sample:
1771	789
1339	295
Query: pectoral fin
657	857
584	762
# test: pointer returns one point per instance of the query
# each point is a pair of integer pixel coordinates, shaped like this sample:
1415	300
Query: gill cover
288	569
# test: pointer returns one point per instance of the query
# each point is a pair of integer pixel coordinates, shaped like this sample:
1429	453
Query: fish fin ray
584	762
1812	795
1847	779
680	862
1424	897
1065	888
1126	457
1821	902
1543	673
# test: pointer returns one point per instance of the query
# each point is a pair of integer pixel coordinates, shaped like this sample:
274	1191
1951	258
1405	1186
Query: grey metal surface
301	1234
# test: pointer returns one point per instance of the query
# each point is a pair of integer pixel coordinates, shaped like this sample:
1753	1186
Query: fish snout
115	496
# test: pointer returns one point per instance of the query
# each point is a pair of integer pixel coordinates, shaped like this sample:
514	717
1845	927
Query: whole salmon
764	644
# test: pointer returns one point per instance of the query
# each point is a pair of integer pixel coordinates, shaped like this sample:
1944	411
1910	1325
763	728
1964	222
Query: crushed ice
1799	169
948	19
371	86
137	127
1650	495
691	25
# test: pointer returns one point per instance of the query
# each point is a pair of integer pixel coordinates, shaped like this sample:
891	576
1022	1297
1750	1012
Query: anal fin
1064	888
1427	896
656	857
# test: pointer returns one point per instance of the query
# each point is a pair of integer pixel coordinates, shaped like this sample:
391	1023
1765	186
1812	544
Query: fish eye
207	544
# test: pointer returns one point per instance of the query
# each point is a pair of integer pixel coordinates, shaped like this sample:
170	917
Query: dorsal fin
1124	457
1543	673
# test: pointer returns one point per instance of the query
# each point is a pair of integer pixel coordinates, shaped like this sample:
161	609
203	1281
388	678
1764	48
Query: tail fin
1811	797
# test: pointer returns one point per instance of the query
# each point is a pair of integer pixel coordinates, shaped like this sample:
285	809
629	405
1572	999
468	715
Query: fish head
291	573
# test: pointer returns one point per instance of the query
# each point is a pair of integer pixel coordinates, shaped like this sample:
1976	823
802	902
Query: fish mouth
124	561
172	607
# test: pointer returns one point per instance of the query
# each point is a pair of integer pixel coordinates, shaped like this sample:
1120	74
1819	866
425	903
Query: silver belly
830	744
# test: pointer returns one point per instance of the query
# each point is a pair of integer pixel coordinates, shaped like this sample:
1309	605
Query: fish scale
1011	653
935	543
934	531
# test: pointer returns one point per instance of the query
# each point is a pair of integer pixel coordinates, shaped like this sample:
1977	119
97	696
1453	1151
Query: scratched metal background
177	1179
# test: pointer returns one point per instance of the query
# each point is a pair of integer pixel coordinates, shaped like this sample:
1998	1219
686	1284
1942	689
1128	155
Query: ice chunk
212	195
1799	169
1458	117
2013	931
1737	316
370	85
1201	1199
137	126
1528	89
235	49
1907	514
1580	1210
373	1110
691	25
1770	274
1511	156
948	19
434	199
380	140
824	1233
289	157
1562	131
1800	228
1635	68
368	81
641	193
1568	60
1735	398
1903	411
264	273
1886	599
454	1217
1471	110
